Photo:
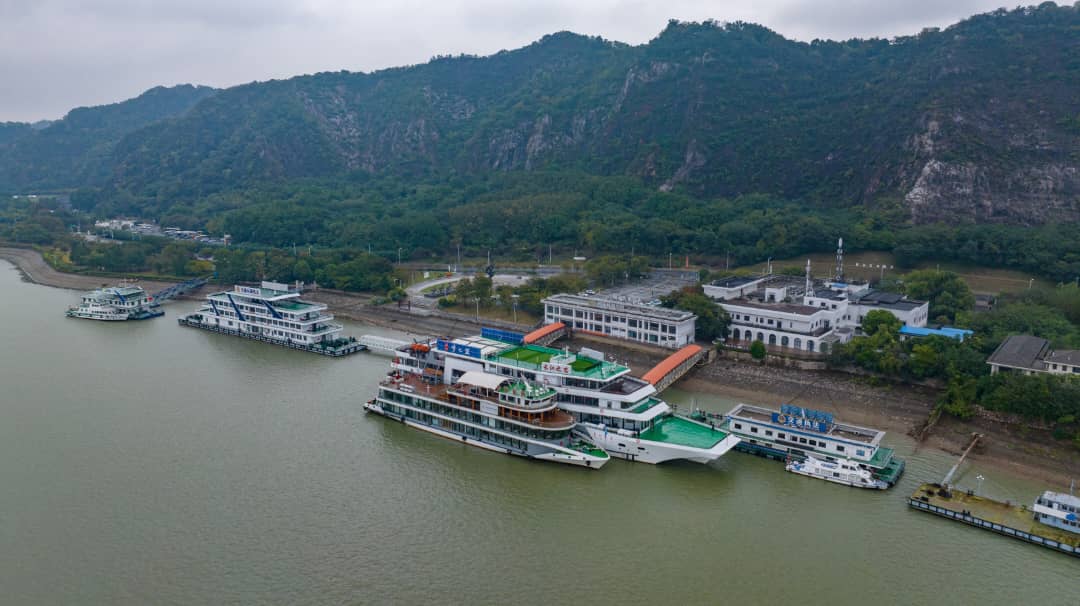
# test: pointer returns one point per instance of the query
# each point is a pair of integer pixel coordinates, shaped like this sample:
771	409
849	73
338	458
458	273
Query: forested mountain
77	150
721	141
976	122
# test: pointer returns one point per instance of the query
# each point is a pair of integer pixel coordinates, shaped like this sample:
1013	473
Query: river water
146	463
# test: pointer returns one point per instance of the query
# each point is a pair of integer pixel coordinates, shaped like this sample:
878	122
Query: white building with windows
788	325
671	328
793	313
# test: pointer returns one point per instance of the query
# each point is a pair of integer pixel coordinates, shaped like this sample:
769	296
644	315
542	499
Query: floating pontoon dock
1003	518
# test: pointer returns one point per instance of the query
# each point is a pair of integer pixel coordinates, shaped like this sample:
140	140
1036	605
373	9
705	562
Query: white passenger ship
840	472
273	313
488	411
616	411
115	303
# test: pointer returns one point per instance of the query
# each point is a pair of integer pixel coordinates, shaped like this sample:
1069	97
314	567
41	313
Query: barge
1004	518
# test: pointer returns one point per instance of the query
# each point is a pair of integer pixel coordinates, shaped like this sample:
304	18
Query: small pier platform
1017	521
343	348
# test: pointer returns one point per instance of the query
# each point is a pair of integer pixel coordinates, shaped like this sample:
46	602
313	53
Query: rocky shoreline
1018	449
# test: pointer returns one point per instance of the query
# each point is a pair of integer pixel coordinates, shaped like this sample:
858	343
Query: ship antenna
840	260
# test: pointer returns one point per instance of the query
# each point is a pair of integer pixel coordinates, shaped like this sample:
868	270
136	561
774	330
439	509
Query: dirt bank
34	269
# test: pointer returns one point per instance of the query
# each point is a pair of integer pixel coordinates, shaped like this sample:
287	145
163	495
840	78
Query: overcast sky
60	54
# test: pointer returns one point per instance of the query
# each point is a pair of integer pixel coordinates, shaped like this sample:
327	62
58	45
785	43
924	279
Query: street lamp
980	478
399	255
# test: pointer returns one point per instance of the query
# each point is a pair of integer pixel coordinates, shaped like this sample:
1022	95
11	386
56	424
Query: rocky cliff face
966	192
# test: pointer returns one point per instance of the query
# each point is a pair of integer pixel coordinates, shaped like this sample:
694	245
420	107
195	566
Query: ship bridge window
839	448
753	430
861	453
738	426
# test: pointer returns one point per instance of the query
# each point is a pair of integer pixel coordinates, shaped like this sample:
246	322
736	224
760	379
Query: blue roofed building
917	332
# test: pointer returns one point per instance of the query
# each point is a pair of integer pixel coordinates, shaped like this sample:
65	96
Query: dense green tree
880	320
947	292
712	320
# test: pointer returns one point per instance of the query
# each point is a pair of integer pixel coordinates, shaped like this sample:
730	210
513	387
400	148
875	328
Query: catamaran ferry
798	433
614	410
273	313
116	303
488	411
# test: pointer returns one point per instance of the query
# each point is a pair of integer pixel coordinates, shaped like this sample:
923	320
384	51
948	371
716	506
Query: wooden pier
350	347
1005	518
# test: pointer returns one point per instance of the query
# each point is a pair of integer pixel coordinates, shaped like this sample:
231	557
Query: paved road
415	291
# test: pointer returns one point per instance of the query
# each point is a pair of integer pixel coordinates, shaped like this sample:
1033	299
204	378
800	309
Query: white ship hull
97	315
648	451
855	481
559	456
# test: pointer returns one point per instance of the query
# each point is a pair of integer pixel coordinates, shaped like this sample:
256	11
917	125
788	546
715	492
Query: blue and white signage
459	349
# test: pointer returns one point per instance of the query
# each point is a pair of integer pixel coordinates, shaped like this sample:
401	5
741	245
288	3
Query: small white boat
840	472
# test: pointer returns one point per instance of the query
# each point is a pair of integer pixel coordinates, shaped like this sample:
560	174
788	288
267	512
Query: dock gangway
676	365
377	343
178	289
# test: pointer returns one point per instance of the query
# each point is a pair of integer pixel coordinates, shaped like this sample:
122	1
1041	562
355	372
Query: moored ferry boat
488	411
115	303
618	412
841	471
273	313
797	433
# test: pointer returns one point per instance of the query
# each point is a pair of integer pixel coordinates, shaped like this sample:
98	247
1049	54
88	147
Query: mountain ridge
972	123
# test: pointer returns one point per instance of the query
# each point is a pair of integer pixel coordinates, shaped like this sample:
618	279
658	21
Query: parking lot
658	284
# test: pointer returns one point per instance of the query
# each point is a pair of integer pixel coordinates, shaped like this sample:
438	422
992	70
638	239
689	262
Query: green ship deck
534	356
1003	518
676	430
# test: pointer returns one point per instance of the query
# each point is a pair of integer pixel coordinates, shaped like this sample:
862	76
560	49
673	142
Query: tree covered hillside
77	151
976	122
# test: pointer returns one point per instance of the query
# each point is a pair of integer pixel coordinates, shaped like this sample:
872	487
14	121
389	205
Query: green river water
146	463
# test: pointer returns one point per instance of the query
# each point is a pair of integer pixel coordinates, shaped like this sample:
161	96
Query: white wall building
672	328
790	325
782	313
